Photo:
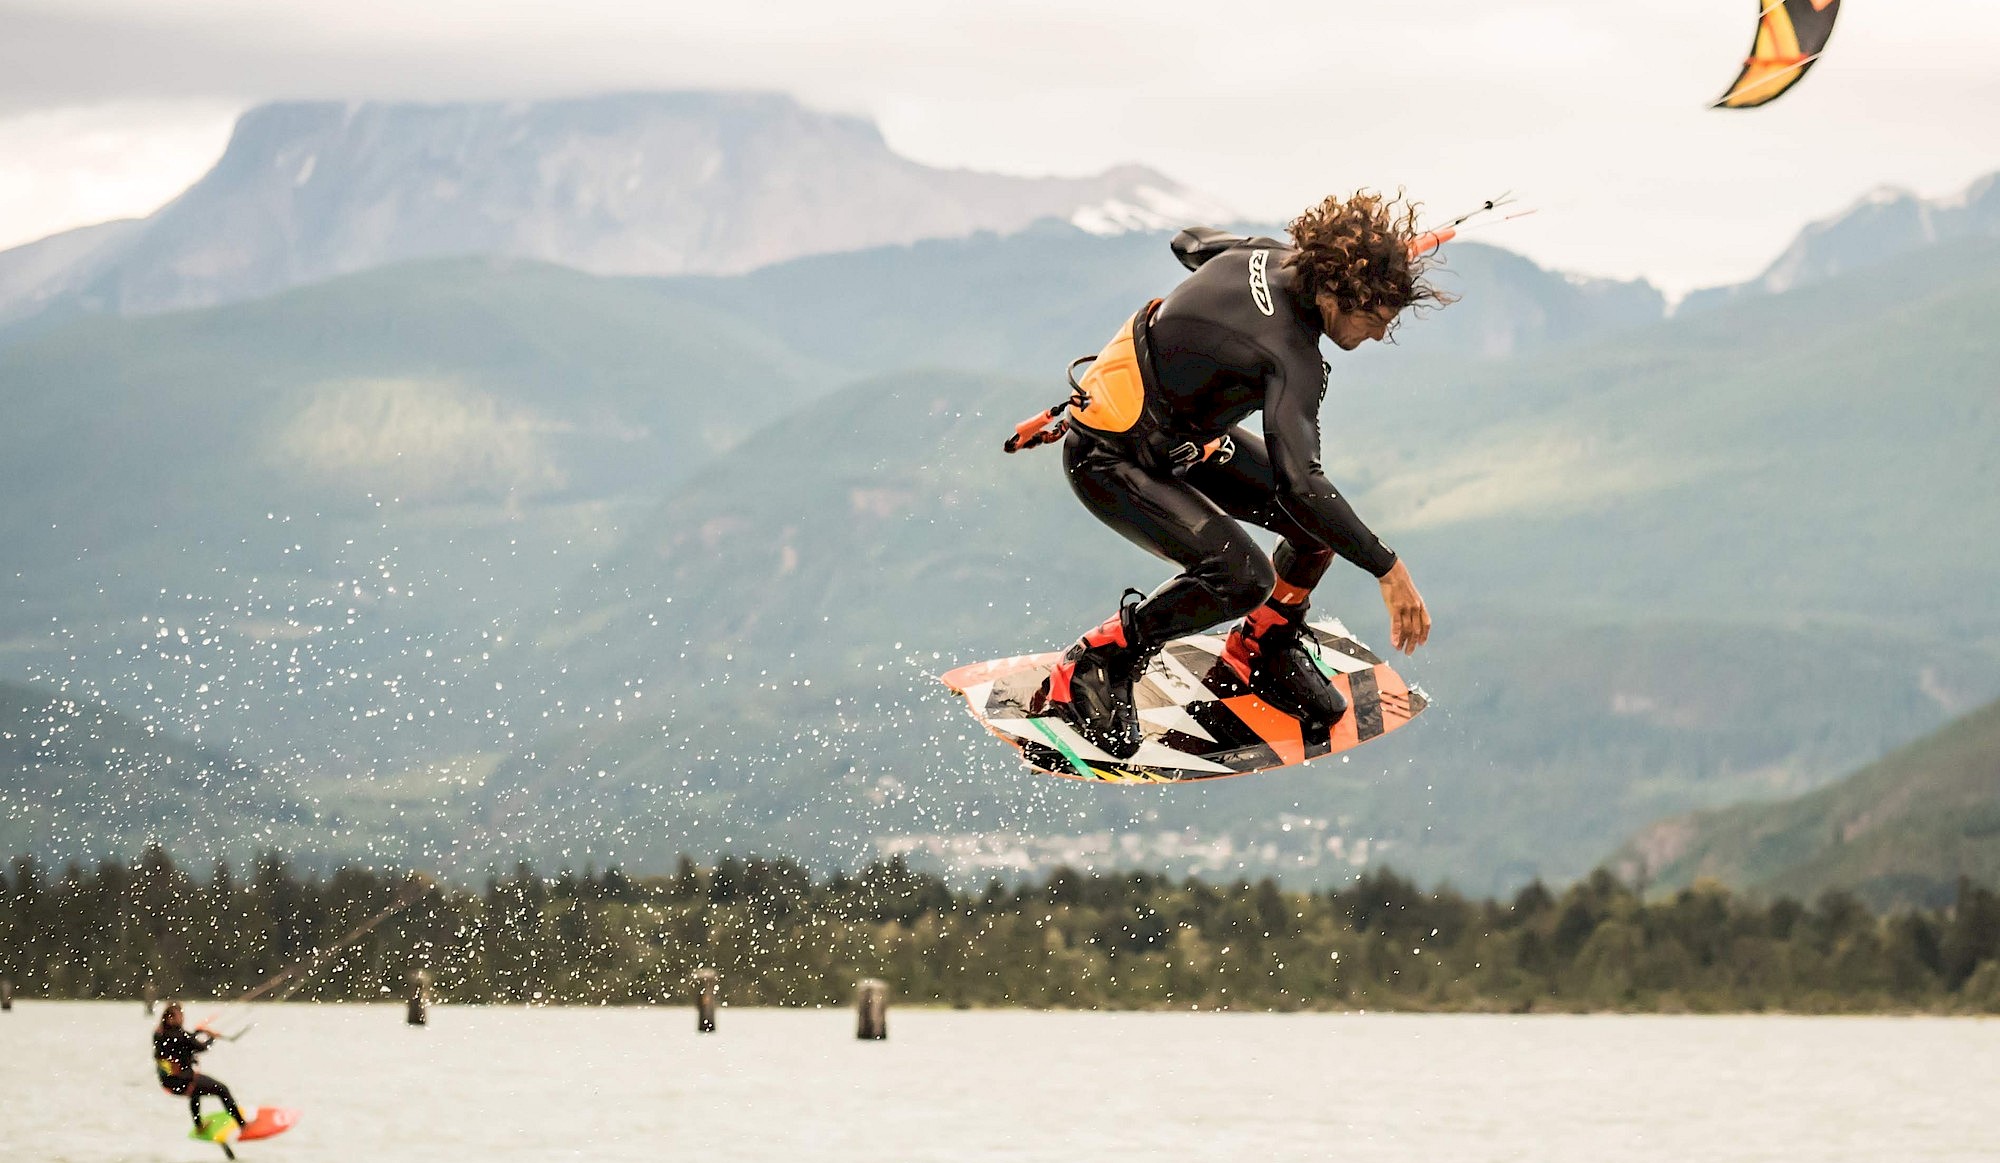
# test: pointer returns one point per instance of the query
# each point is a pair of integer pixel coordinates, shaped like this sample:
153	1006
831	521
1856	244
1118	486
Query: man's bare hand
1409	618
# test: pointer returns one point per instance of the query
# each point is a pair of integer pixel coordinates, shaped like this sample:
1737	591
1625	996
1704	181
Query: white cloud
63	168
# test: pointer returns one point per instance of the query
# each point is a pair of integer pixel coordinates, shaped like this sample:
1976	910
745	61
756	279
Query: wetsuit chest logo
1260	281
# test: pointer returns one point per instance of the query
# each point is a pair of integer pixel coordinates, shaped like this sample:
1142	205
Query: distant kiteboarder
175	1048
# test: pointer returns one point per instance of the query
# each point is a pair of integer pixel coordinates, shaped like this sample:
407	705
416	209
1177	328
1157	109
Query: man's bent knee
1243	581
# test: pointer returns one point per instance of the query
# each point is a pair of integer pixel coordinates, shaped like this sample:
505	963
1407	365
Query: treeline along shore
778	936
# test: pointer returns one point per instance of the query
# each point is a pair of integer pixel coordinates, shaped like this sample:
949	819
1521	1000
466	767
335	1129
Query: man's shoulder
1250	289
1196	245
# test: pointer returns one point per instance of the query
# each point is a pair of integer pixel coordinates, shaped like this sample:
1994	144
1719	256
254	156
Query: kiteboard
265	1121
1199	720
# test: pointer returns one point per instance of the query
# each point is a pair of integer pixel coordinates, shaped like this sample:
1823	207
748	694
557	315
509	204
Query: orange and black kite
1790	36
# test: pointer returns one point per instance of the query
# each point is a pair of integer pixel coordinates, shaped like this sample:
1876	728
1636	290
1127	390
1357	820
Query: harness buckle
1187	454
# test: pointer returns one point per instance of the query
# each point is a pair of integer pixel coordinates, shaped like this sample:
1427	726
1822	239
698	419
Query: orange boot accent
1110	632
1059	682
1287	594
1243	646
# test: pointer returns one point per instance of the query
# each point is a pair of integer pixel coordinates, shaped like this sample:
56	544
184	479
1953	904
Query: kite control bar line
1430	240
406	897
1422	244
403	900
1793	65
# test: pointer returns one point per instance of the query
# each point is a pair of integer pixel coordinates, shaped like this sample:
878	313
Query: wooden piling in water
707	995
871	1010
419	1012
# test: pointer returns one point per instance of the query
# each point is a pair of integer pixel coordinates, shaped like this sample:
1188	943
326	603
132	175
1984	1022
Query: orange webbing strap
1045	427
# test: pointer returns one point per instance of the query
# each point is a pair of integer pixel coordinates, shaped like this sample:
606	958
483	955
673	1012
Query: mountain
1885	224
500	392
1026	304
1829	450
1900	831
757	661
352	490
1533	309
1715	558
494	404
81	780
659	183
469	545
34	276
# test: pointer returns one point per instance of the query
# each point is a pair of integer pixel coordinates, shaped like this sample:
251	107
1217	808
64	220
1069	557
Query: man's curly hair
1358	250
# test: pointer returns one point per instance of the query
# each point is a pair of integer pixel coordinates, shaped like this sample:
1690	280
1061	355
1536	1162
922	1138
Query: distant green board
265	1121
216	1127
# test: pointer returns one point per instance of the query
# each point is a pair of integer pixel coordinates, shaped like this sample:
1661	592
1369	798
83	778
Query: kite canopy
1790	37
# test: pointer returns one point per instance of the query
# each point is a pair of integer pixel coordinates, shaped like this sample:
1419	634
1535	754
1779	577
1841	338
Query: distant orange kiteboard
1199	722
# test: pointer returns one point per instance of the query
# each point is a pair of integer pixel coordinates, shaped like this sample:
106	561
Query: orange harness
1111	398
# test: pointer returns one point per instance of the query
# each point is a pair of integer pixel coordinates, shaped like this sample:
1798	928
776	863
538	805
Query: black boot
1271	652
1092	685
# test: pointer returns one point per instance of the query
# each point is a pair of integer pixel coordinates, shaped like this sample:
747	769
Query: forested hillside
1657	584
1900	831
779	936
504	557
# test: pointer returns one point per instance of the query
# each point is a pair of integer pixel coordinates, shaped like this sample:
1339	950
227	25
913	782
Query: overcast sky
1592	111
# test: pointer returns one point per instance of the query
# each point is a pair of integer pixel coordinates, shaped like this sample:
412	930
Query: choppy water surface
504	1085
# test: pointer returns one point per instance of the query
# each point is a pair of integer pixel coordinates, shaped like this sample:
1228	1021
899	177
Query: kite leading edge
1790	36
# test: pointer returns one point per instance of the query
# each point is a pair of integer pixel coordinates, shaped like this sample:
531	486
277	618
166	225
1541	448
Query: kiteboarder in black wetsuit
1155	450
174	1051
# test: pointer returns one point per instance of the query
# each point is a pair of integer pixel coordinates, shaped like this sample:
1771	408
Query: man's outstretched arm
1291	432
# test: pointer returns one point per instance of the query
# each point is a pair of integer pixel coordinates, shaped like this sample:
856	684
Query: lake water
487	1083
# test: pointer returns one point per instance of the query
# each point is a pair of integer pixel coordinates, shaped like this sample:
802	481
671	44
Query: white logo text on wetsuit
1260	284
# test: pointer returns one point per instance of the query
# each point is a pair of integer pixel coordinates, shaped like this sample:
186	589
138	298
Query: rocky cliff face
641	184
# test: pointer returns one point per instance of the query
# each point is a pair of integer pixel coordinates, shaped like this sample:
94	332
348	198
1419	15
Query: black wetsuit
1233	338
174	1051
